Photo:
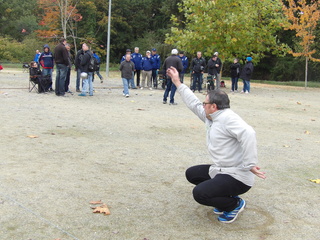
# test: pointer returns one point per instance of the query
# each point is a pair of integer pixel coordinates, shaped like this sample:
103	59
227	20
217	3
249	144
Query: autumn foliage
57	18
303	17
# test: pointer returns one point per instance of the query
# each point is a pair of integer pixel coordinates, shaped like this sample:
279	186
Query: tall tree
303	18
234	28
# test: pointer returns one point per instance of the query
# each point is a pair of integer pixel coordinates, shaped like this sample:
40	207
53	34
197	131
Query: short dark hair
62	40
220	98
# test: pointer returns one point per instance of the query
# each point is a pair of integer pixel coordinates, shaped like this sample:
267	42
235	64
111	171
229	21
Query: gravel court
131	153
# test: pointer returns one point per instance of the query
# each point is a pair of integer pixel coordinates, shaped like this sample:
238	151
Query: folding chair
34	80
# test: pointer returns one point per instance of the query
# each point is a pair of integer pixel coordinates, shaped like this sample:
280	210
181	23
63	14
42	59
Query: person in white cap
171	61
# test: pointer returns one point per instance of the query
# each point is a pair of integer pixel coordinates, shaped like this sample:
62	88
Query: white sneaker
141	88
150	88
247	92
242	91
127	95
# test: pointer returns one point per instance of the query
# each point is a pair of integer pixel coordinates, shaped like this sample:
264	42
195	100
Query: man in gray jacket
126	68
171	61
232	147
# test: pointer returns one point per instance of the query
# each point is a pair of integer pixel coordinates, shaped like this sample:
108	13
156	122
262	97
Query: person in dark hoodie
246	74
84	67
47	63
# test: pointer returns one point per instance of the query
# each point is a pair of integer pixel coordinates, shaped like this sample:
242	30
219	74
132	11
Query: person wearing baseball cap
246	74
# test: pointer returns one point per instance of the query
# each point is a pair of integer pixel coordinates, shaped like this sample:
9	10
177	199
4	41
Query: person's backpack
93	64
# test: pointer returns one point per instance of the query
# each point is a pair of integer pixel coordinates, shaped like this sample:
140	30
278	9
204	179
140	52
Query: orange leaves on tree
303	17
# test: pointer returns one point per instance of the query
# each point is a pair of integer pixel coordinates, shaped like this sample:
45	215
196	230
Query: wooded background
281	36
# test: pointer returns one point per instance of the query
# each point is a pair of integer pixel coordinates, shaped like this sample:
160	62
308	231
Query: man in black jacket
61	58
198	65
246	74
84	68
171	61
214	69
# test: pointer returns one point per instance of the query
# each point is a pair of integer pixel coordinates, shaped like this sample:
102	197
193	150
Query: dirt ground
60	153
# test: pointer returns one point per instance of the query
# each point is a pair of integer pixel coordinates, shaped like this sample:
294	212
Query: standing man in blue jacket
185	64
136	59
155	66
146	65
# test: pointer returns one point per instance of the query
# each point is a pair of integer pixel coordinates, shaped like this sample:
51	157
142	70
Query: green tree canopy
233	28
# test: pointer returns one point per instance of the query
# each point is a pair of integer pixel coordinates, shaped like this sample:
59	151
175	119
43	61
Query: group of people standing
133	64
63	61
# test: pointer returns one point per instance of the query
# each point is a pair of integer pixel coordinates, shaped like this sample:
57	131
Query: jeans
61	79
87	83
98	73
125	82
246	85
45	72
234	86
138	77
78	80
216	192
170	88
197	78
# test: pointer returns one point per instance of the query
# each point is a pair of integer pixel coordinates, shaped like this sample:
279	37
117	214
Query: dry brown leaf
313	120
96	202
299	103
102	209
33	136
286	146
306	132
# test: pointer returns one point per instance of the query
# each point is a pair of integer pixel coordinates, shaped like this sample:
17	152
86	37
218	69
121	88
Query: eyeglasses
205	103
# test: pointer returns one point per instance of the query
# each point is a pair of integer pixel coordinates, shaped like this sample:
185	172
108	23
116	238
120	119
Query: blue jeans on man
234	86
169	88
197	78
246	86
125	82
87	85
61	75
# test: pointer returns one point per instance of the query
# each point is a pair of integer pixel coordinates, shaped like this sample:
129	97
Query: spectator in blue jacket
185	64
155	66
136	59
131	82
98	71
47	63
37	56
146	65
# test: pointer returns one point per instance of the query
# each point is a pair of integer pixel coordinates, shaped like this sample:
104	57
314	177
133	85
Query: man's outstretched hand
174	75
255	170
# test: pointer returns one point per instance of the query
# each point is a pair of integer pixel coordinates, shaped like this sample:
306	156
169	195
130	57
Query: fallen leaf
315	180
298	139
141	109
306	132
102	209
313	120
286	146
299	103
96	202
33	136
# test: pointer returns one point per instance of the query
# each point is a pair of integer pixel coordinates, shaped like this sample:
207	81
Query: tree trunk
306	74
